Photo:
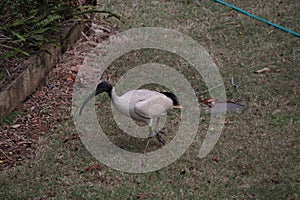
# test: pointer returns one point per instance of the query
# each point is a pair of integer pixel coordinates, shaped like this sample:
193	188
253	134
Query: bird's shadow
131	143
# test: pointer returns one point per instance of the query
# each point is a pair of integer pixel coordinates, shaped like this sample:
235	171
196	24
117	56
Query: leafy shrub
28	24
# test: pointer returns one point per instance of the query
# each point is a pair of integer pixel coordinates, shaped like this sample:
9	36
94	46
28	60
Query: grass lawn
257	155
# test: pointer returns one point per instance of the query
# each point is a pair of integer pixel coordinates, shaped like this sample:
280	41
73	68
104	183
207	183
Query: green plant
26	25
10	118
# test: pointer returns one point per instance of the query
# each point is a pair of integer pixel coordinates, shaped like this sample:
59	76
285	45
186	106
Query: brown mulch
50	105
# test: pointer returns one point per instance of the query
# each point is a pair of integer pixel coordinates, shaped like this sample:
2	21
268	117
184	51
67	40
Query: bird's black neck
104	86
109	93
173	97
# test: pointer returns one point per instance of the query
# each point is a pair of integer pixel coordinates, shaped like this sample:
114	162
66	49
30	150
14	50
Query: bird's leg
157	125
149	136
160	139
157	132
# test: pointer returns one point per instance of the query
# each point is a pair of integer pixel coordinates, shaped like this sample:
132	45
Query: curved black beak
104	86
92	95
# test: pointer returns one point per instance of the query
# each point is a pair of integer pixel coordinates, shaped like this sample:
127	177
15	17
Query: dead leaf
16	126
3	142
215	159
70	77
207	101
269	33
275	181
23	142
141	196
75	69
93	167
73	137
263	70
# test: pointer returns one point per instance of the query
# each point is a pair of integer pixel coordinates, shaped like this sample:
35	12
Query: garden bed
37	117
28	74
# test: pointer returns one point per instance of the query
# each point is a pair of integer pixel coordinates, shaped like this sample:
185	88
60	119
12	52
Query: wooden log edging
36	69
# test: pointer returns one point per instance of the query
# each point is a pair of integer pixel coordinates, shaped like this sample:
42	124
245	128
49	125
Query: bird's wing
153	106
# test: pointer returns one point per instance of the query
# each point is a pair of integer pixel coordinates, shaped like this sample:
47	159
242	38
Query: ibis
141	105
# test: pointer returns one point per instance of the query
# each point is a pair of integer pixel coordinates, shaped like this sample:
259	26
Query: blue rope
258	18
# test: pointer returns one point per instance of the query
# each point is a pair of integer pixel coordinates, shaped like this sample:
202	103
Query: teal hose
258	18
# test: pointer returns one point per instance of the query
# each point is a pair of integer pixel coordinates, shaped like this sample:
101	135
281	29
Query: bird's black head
104	86
173	97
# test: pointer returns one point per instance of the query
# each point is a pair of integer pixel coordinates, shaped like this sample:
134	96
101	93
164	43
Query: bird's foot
161	132
160	139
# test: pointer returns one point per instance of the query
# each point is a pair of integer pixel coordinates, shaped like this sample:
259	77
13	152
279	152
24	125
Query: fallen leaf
263	70
207	101
70	77
73	137
93	167
215	159
3	142
16	126
141	196
231	23
276	181
23	142
270	32
75	69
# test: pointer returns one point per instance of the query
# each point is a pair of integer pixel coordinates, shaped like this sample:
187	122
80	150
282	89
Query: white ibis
141	105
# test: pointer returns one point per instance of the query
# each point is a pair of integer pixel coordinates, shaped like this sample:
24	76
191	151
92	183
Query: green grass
257	156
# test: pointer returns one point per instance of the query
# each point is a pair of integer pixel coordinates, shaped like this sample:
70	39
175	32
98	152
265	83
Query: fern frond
50	19
19	36
14	52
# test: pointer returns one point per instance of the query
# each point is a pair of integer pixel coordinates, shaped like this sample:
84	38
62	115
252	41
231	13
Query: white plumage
141	105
